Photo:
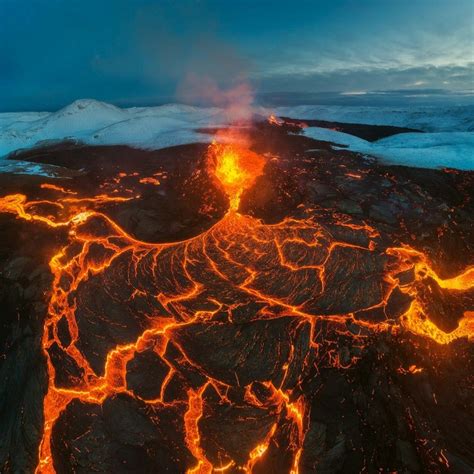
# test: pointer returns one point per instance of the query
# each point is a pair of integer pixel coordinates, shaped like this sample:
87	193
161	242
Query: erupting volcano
212	353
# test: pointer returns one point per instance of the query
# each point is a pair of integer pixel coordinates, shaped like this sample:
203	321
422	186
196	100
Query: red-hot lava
180	299
236	168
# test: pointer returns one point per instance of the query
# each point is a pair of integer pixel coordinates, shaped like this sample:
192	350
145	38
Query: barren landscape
274	306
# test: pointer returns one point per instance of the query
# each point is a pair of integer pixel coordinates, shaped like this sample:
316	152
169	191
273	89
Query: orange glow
150	180
412	369
275	120
236	168
296	252
193	438
56	188
354	175
416	318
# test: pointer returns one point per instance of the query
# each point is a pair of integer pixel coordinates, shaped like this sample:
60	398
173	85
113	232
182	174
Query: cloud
396	98
360	79
373	44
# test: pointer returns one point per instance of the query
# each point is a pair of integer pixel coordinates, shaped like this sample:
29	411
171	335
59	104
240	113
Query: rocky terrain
324	327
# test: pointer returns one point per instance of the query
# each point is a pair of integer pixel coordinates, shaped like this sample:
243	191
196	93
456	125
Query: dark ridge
370	133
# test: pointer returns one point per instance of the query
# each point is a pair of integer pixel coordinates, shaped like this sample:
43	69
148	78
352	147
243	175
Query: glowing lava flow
417	319
235	283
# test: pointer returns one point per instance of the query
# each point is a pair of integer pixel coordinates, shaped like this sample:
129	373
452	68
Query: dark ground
370	417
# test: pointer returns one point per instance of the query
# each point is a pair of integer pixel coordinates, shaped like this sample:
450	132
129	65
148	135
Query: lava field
272	306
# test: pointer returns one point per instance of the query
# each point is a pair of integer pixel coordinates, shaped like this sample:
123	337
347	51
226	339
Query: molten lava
236	168
272	119
178	301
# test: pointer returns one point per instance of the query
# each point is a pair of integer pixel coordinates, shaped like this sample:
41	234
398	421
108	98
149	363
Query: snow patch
425	118
36	169
423	150
341	138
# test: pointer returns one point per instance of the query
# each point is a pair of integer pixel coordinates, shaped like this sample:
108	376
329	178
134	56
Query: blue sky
142	51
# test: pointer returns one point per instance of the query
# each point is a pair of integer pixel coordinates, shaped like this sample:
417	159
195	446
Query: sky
143	52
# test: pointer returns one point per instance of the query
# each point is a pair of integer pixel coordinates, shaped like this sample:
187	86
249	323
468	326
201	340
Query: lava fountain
236	168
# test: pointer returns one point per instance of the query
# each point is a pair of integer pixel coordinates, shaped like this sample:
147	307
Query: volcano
273	307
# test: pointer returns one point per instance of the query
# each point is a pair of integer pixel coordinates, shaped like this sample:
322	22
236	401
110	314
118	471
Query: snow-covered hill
448	143
424	150
98	123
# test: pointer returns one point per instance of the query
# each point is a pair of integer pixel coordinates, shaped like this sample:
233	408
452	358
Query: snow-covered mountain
448	143
98	123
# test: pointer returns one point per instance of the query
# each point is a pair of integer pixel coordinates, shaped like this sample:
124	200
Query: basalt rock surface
324	327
